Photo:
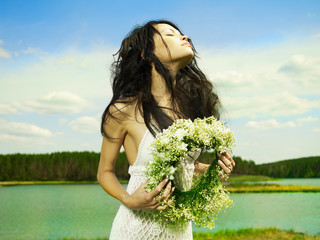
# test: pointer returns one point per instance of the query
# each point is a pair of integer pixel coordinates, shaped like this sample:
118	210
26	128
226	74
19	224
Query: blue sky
263	56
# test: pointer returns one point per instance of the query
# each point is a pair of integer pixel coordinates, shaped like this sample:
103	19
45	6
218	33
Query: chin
186	60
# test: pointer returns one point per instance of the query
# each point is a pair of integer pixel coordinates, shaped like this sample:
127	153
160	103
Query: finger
154	206
172	190
230	159
144	184
222	177
155	202
233	162
226	161
227	155
158	189
161	208
167	191
166	197
224	167
159	205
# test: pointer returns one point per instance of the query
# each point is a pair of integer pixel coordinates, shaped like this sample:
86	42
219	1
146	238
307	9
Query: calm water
295	181
86	211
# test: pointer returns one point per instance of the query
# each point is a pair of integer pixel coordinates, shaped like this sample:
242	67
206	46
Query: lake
293	181
86	211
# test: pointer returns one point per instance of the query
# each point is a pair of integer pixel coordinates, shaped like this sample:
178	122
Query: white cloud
66	60
24	137
311	14
293	66
1	41
55	103
62	121
13	144
72	61
86	124
281	104
31	50
7	109
21	129
5	138
84	74
233	79
307	119
4	53
302	70
269	124
316	130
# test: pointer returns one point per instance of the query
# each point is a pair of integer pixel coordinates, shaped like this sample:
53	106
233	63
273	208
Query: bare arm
140	199
106	170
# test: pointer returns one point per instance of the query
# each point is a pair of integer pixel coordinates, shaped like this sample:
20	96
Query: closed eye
169	35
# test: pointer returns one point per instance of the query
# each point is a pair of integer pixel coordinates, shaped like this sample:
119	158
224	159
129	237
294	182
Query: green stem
188	196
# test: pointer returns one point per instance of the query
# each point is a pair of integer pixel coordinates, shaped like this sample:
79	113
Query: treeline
82	166
306	167
66	166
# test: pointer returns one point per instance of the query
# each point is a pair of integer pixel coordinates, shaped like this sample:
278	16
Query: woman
156	80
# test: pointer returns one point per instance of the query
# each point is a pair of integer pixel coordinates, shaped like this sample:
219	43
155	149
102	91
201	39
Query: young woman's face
180	52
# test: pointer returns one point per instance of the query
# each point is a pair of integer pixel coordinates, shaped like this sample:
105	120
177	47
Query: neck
159	88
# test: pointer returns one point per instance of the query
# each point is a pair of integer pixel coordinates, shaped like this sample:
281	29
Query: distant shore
232	187
271	188
14	183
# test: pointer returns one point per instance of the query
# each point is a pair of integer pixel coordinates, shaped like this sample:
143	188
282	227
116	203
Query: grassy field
265	188
254	234
251	178
244	234
237	184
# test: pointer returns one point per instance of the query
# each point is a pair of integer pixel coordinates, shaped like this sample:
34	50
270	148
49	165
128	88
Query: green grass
243	234
254	234
265	188
251	178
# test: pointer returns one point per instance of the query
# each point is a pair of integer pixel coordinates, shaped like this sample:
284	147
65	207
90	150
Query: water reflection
86	211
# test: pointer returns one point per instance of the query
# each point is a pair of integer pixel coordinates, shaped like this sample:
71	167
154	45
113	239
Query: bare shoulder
122	114
124	109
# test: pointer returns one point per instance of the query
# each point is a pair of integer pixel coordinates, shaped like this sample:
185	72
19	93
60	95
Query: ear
147	59
142	54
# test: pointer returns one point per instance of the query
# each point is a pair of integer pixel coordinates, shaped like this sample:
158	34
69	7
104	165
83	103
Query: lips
186	44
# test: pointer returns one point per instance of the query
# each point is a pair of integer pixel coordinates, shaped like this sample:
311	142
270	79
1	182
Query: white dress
138	224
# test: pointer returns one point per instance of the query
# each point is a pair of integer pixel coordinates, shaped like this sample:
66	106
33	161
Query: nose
184	37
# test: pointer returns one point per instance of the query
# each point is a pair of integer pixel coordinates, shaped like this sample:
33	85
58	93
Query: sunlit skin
178	52
130	130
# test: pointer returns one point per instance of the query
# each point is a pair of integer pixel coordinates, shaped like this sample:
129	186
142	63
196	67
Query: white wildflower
208	198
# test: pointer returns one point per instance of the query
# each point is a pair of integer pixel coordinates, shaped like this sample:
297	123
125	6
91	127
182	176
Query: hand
141	199
226	163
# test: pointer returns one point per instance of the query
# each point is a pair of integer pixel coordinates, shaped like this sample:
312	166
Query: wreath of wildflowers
207	196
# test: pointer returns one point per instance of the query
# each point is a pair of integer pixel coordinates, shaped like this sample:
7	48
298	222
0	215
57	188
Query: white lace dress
138	224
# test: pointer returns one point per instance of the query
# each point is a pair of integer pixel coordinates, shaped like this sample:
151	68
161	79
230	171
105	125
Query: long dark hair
192	94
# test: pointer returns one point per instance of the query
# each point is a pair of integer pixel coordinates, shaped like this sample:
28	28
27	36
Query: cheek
161	52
